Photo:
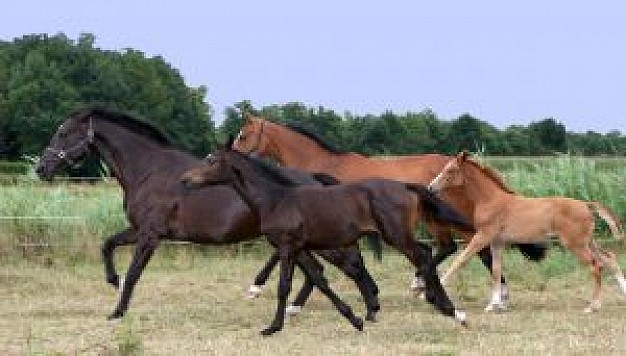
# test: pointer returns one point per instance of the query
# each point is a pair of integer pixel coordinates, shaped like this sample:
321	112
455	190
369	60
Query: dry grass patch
192	303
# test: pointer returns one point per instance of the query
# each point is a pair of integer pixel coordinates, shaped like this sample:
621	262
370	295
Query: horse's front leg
478	242
146	244
446	246
287	255
124	237
259	282
309	265
497	297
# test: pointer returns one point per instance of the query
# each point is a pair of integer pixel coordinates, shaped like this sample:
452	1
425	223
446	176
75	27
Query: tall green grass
37	215
41	216
597	179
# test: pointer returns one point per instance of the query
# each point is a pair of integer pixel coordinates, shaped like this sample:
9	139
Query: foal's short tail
609	216
439	210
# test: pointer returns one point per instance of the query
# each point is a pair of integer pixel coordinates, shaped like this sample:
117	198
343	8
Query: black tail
533	252
439	210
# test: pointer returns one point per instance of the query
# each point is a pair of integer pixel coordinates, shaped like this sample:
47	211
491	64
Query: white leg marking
417	284
254	291
293	309
496	303
121	287
505	292
622	281
460	316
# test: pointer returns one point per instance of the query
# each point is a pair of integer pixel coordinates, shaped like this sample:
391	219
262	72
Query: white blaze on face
434	184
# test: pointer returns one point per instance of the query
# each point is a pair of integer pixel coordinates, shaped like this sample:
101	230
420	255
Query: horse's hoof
293	310
254	291
592	307
115	315
269	331
461	317
504	293
371	317
421	295
358	323
495	307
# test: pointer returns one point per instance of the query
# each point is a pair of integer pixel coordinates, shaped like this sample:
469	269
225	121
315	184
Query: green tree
550	134
43	78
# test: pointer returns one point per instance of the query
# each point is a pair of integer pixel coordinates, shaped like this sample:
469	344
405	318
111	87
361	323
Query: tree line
45	77
424	132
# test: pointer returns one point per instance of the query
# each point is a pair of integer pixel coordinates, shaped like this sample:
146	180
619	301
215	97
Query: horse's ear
229	143
247	116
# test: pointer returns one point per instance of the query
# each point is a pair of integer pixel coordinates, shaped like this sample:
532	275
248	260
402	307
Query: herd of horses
318	201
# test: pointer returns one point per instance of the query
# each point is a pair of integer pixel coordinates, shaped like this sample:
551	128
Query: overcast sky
503	62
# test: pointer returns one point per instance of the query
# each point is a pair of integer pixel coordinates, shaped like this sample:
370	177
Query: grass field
53	298
190	301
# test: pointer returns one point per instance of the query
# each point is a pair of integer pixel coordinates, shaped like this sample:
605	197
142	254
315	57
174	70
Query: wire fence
82	221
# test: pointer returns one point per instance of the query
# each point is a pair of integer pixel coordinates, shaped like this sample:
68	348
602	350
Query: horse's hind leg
256	288
609	259
344	309
486	258
124	237
350	261
496	303
586	256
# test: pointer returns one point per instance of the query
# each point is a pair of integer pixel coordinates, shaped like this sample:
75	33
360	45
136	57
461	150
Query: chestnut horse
299	217
502	216
296	147
148	167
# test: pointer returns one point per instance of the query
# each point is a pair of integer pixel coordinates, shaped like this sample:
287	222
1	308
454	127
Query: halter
64	154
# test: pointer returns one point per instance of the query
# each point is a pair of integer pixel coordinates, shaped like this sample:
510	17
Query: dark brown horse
299	217
294	146
148	168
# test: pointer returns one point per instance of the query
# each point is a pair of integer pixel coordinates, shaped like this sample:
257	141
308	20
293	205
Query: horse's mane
268	170
491	174
128	121
315	137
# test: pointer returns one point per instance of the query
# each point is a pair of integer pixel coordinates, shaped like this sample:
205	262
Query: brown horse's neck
258	193
294	150
127	154
479	188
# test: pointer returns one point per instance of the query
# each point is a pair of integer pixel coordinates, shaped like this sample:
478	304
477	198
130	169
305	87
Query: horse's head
251	138
452	174
69	145
216	168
